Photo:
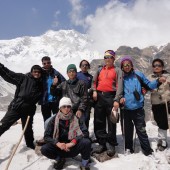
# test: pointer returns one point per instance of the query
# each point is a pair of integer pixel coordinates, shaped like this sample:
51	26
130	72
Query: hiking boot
59	164
110	149
40	142
99	149
162	145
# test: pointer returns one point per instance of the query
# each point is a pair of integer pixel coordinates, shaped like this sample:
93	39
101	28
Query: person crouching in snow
64	139
133	100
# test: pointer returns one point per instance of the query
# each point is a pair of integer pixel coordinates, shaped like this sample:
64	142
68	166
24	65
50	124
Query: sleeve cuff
74	141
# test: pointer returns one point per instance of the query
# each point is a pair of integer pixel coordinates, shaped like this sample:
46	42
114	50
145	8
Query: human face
72	74
84	66
157	67
65	109
46	64
36	73
127	66
109	60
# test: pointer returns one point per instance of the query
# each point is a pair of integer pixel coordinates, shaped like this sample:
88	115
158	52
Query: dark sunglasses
157	65
66	106
45	63
84	65
36	71
108	57
126	65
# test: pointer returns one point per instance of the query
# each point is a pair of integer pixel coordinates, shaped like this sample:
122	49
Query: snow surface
27	159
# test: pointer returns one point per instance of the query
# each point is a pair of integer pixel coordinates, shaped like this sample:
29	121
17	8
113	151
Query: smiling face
36	73
84	66
65	109
127	66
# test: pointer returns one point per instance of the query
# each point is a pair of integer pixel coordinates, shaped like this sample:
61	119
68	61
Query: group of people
66	106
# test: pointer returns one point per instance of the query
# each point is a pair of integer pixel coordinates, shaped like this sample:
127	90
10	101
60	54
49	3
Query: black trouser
102	112
48	109
12	116
137	118
86	115
83	147
160	115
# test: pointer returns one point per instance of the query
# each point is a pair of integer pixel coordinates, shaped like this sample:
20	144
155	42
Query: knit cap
71	67
126	58
65	101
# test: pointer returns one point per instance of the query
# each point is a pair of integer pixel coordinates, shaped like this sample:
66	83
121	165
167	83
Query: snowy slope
26	159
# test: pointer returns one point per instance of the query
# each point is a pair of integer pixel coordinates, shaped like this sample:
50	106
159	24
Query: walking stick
134	140
167	113
15	149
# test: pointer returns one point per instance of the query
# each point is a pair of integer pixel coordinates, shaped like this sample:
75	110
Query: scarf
74	128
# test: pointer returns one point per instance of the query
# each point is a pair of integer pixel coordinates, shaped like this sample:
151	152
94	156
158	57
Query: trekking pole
123	128
15	149
134	140
167	113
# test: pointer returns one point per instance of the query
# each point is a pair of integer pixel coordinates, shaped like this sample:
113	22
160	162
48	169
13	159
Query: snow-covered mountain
65	47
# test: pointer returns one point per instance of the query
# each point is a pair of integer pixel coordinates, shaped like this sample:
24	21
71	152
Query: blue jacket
131	82
86	77
48	77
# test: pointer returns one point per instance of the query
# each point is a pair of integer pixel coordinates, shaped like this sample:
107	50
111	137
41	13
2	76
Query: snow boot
59	164
162	145
110	149
99	149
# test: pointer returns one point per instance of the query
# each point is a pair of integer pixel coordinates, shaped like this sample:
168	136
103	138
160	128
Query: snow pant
102	111
83	147
12	116
137	118
48	109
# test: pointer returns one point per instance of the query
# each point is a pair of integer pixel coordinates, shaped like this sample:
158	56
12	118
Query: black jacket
76	90
63	132
28	89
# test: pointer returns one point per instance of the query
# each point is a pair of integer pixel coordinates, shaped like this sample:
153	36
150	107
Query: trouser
12	116
137	118
86	115
160	115
102	112
48	109
83	147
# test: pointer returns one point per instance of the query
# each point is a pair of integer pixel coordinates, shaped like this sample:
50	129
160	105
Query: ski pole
15	149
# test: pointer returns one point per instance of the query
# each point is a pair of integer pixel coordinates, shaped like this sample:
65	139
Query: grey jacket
162	93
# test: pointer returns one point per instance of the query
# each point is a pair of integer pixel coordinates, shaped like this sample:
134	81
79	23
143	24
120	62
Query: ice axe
16	147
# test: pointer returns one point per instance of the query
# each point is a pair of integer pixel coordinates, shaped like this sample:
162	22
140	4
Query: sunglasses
66	106
71	71
157	65
108	57
84	65
36	71
45	63
126	65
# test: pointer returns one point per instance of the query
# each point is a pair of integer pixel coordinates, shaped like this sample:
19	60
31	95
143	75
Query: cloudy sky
110	23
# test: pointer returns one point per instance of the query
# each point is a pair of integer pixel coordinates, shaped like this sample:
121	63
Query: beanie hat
65	101
71	66
126	58
109	53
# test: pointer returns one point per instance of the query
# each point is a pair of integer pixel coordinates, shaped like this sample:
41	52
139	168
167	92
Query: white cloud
55	23
76	12
141	23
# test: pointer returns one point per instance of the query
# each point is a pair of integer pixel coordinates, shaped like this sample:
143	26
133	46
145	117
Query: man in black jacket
28	93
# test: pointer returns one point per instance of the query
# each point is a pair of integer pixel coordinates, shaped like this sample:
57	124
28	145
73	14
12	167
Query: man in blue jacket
133	101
